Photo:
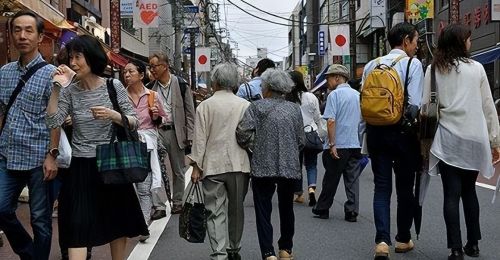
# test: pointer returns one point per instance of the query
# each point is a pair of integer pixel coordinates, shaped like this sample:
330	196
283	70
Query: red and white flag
146	14
203	59
339	39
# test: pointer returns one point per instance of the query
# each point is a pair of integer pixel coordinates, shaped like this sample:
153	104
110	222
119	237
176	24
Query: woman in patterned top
273	129
92	213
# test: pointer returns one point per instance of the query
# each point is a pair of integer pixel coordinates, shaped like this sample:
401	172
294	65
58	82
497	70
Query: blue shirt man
391	148
342	149
252	90
27	152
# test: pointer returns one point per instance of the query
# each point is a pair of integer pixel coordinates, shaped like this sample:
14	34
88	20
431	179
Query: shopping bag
64	158
193	219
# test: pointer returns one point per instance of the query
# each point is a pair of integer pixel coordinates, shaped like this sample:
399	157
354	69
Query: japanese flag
339	39
202	59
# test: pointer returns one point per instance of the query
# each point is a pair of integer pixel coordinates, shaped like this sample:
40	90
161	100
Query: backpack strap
398	59
151	98
249	91
22	81
405	90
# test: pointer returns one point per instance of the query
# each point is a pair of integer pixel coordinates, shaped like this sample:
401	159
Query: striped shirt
87	131
342	105
25	137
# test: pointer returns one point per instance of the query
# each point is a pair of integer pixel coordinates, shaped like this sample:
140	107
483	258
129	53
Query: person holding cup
92	213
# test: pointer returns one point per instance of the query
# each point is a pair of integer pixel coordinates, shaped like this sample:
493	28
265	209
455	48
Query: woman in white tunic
466	141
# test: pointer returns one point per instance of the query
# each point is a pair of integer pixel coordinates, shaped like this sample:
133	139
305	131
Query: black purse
429	113
313	141
193	219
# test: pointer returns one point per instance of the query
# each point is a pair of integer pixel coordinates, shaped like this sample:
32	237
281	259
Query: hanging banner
339	39
202	59
146	14
417	10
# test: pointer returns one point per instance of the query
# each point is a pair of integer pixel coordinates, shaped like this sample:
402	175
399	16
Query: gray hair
277	80
225	76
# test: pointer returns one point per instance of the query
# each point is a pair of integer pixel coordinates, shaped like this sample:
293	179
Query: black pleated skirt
92	213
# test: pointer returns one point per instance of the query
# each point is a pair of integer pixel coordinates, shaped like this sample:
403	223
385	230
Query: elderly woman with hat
272	129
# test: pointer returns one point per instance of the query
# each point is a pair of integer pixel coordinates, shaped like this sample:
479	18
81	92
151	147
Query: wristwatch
54	152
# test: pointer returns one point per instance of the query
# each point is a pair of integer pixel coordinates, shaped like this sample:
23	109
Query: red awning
117	59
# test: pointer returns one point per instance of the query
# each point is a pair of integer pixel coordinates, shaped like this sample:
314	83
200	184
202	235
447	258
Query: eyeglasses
153	66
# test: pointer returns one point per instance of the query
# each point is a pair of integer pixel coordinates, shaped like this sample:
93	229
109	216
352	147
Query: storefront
54	22
485	36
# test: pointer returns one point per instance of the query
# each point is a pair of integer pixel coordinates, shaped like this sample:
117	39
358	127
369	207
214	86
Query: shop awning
320	79
487	56
117	59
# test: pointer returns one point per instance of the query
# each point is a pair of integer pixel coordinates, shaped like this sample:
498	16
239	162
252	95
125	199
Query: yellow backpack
382	95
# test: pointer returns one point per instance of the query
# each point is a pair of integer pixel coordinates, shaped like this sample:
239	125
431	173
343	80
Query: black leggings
459	183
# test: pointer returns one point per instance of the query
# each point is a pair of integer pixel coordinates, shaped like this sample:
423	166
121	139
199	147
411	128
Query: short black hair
92	50
141	68
39	22
263	65
397	34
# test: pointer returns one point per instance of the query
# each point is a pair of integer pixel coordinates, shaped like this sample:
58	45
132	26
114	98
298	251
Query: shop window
128	25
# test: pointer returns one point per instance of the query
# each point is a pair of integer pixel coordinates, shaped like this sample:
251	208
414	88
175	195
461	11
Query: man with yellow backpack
390	99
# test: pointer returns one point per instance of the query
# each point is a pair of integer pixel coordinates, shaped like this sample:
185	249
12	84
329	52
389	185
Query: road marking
143	250
487	186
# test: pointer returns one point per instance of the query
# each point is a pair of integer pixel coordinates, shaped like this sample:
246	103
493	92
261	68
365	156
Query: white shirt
468	123
310	110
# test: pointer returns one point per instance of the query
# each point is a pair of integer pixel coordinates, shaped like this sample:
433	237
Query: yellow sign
417	10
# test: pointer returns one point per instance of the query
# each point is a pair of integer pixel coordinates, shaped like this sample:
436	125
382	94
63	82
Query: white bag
64	158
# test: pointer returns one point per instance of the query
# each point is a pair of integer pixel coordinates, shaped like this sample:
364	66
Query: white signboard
495	10
127	7
378	13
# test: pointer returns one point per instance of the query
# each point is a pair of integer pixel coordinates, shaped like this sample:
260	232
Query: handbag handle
434	93
126	127
194	190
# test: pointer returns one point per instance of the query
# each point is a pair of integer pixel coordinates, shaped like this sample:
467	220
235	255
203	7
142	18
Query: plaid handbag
124	161
193	219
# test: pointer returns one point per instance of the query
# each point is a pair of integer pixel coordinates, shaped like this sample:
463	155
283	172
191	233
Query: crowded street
316	239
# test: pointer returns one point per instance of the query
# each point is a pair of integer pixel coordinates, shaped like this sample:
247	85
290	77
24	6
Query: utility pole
352	33
177	21
454	12
192	41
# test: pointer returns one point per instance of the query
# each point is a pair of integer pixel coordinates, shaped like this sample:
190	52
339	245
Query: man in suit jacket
175	130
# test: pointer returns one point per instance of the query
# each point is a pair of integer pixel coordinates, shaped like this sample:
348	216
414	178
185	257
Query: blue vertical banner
321	43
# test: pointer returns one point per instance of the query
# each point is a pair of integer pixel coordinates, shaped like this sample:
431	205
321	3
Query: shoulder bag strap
114	100
19	87
405	90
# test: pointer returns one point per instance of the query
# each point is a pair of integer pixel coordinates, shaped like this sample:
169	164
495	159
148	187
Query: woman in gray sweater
273	129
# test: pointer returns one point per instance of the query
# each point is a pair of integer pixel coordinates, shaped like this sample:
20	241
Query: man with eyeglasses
176	128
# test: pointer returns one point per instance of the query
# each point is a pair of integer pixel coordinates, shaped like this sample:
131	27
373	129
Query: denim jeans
11	185
390	149
310	160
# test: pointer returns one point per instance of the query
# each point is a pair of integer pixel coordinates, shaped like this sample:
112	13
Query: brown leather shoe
382	251
285	255
404	247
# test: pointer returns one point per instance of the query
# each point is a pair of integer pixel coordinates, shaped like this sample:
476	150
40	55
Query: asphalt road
337	239
314	238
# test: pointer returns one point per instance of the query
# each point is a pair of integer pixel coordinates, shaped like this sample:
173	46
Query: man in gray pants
175	130
342	149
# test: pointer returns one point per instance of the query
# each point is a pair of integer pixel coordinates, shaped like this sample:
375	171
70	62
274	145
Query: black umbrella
417	211
162	154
